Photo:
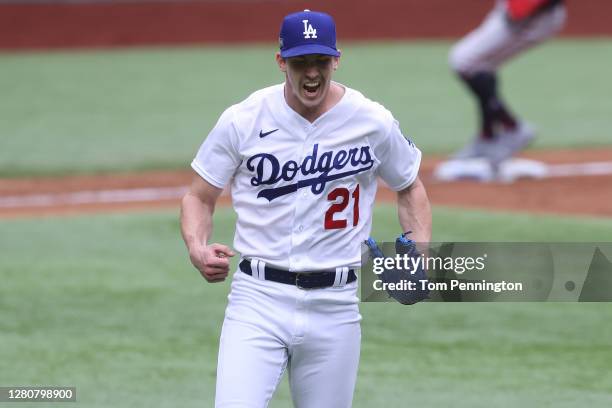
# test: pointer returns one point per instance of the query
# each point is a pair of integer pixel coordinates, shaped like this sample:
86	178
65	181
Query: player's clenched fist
212	261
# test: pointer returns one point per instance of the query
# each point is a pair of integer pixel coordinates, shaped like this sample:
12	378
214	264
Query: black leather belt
303	280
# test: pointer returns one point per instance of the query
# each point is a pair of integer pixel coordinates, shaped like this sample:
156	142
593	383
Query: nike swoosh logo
264	134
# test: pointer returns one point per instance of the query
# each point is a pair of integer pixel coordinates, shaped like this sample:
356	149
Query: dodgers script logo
268	170
309	31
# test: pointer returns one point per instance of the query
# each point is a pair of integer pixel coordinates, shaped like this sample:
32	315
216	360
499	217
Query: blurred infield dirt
576	195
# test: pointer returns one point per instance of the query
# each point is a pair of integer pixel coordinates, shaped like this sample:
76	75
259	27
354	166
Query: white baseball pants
271	327
495	41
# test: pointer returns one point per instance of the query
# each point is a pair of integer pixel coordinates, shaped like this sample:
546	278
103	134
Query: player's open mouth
311	88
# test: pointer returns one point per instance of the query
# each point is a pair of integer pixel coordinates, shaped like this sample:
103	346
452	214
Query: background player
303	159
512	27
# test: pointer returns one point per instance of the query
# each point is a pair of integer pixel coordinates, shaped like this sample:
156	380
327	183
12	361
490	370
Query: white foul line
580	169
174	193
94	197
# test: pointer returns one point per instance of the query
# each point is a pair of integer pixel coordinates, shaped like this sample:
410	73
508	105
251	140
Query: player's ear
282	63
336	63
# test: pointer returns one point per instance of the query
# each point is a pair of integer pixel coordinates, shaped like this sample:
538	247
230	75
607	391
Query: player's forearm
414	211
196	221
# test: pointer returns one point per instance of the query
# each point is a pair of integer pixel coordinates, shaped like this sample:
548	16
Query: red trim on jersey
520	9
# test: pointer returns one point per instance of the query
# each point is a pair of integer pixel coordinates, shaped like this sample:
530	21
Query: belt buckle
297	280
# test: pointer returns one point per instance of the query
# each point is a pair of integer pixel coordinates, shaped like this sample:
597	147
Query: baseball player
512	27
302	159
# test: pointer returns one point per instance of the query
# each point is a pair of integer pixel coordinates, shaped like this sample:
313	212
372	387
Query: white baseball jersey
303	191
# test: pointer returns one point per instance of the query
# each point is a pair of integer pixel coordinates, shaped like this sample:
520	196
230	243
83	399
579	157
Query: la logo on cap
309	31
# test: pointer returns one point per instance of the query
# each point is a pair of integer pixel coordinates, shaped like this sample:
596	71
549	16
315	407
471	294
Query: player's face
308	77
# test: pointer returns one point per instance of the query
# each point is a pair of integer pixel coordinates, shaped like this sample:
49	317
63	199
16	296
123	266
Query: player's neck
334	95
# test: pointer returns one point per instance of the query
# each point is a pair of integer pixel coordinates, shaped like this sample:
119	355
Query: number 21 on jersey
345	198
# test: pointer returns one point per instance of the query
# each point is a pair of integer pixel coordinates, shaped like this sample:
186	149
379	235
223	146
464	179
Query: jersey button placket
297	254
299	239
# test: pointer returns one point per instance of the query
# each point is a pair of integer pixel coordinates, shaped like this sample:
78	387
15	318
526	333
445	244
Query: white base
482	170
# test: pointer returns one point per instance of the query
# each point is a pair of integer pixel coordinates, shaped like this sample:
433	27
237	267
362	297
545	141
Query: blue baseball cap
308	32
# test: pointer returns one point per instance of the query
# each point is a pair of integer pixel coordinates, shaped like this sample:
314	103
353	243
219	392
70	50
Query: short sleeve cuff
412	176
206	175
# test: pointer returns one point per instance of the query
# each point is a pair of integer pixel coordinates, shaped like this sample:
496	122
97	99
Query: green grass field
111	305
151	108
